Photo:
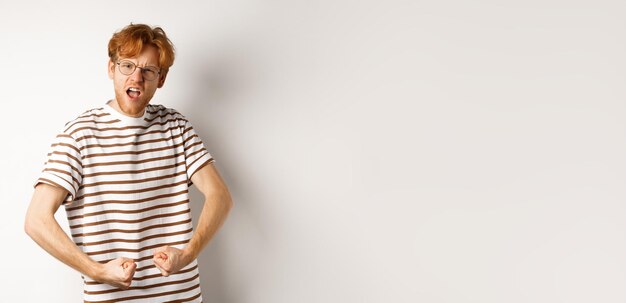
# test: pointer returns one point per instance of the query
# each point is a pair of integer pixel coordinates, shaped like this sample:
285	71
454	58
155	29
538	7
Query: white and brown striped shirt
128	182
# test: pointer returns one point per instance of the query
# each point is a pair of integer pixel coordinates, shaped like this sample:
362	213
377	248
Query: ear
161	80
111	69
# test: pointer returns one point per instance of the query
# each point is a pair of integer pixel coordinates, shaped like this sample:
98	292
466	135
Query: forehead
149	55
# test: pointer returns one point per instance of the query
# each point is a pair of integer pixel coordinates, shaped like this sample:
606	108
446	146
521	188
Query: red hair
132	39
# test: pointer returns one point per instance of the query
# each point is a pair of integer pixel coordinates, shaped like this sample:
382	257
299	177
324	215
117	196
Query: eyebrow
126	59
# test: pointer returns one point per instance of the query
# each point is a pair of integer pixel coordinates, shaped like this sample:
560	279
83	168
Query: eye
128	65
148	74
152	69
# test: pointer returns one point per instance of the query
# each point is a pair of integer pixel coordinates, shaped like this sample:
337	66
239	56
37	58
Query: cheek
117	84
153	88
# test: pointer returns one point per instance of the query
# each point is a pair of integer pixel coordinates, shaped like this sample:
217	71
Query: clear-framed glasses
149	73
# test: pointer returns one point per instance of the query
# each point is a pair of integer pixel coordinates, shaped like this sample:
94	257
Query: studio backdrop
376	151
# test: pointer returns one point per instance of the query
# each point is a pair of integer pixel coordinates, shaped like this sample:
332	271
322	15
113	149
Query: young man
122	172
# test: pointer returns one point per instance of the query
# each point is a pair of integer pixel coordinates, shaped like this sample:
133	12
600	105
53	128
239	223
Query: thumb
161	256
129	267
126	262
159	259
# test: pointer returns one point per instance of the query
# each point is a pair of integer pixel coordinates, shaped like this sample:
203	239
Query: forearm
47	233
213	215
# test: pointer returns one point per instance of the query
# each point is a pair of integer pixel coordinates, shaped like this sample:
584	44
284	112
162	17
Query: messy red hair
132	39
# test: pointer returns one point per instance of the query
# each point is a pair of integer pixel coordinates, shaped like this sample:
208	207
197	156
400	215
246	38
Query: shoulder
88	119
162	114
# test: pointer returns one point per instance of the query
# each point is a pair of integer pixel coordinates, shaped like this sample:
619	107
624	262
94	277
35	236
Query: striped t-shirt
128	182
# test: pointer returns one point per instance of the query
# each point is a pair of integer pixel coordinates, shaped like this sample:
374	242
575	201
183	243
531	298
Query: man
122	172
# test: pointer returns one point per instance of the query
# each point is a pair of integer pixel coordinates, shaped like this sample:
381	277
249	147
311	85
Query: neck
117	107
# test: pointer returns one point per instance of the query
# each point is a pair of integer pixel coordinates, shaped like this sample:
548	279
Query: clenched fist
169	260
118	272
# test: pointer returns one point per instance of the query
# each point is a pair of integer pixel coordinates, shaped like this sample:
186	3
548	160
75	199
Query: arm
44	229
217	204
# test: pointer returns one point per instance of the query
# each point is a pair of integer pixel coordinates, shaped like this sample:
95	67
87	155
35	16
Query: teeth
132	89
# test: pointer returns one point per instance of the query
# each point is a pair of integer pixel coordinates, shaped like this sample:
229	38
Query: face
133	92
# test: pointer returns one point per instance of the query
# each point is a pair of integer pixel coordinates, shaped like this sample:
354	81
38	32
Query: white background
376	151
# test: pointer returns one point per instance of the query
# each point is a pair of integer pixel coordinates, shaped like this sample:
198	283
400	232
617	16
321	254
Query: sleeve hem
70	191
202	164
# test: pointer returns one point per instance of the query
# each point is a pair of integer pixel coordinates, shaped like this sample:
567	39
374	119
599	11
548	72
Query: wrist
188	255
95	270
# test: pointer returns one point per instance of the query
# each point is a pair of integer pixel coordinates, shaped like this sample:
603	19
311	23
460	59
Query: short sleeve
196	155
63	167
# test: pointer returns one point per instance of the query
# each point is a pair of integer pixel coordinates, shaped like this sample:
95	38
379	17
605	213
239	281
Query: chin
133	108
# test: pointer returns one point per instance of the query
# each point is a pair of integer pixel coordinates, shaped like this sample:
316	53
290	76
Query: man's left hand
169	260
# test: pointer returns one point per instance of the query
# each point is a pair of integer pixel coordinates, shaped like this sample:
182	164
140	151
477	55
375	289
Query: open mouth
133	92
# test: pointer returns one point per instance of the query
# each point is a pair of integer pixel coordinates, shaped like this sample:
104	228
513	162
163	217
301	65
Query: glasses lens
150	73
127	67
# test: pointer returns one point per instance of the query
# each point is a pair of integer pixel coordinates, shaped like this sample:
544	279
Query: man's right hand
43	228
118	272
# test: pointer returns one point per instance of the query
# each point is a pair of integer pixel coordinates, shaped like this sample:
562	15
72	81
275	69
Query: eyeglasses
149	73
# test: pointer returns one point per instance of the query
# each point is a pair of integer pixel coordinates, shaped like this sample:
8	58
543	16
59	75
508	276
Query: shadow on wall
215	82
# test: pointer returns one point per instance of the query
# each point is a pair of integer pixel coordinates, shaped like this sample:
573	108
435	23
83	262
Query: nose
137	75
